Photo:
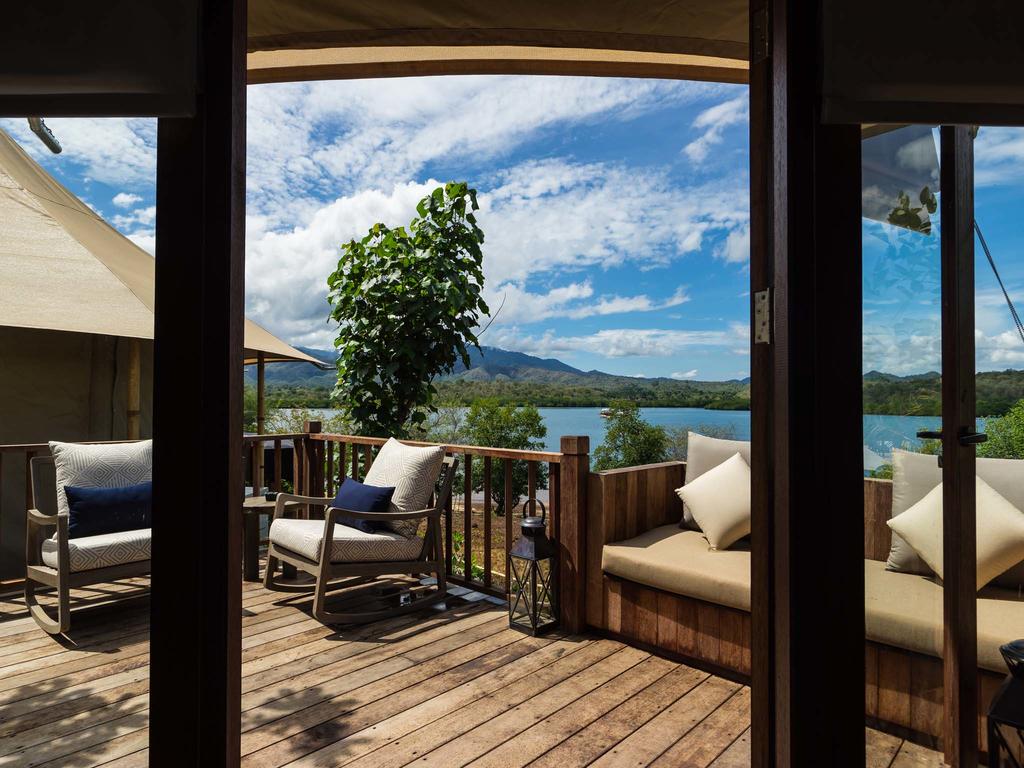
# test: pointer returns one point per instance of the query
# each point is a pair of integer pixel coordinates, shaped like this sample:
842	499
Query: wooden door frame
960	688
196	613
806	406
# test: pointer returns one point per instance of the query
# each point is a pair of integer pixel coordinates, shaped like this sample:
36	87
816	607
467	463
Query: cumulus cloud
116	151
713	121
999	156
685	375
126	199
615	342
736	248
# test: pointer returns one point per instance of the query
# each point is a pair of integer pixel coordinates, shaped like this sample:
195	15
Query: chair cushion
704	454
100	466
719	501
905	611
102	551
412	471
678	560
108	510
359	497
351	545
901	610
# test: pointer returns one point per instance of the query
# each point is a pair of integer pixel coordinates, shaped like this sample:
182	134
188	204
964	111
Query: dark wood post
195	645
572	526
313	471
808	709
958	467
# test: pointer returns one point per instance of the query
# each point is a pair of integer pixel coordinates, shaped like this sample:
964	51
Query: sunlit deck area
451	686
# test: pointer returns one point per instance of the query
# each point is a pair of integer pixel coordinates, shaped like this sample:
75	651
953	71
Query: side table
252	510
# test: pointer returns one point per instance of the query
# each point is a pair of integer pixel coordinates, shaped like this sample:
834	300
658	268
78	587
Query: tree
489	423
1005	435
407	301
630	441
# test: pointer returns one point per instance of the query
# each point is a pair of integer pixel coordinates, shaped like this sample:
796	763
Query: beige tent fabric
62	267
315	39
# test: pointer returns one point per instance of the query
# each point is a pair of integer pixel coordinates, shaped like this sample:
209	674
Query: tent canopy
64	268
320	39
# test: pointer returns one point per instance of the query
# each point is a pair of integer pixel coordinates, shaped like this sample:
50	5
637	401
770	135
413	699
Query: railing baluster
355	461
277	465
487	521
508	524
329	447
531	480
467	518
448	535
342	462
554	499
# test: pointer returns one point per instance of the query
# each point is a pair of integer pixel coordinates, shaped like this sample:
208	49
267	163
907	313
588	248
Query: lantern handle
543	510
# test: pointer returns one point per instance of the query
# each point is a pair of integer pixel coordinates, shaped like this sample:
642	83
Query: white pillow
100	466
703	454
412	471
916	474
720	502
999	531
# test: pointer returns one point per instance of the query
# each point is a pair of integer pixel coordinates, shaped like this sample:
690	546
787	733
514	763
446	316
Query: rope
992	263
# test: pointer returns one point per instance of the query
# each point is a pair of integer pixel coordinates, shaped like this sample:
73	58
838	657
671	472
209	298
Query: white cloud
900	352
613	342
736	248
116	151
575	301
999	156
126	199
684	376
144	216
713	122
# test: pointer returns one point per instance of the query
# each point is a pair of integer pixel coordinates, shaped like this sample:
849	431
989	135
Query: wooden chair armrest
285	498
37	518
336	512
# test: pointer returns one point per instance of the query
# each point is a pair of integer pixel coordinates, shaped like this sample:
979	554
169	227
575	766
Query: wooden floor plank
594	740
451	686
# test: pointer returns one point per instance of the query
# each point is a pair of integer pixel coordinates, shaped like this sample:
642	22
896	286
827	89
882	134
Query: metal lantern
532	603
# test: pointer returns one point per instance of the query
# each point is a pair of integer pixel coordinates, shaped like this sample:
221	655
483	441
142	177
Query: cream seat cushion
107	549
678	560
905	611
999	535
901	610
351	545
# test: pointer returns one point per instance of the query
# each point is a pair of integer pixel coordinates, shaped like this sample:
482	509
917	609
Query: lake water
881	433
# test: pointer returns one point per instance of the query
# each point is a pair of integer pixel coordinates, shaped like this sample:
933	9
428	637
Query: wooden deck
449	687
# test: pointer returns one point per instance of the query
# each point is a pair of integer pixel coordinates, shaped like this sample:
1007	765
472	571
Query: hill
519	378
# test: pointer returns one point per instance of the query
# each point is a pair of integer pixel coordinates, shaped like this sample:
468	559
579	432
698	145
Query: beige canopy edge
326	39
64	268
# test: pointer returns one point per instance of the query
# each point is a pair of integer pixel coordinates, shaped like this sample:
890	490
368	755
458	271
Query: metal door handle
965	438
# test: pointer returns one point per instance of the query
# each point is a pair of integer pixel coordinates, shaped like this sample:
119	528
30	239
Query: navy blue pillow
359	497
108	510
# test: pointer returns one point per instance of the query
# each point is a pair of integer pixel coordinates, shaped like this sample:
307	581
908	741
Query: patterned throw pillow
100	466
412	472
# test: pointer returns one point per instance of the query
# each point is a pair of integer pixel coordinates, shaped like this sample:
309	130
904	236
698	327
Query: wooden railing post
313	469
572	544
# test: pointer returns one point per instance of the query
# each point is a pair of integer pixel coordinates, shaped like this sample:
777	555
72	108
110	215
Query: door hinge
759	32
763	317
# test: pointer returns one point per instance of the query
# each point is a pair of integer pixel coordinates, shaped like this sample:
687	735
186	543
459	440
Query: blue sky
615	211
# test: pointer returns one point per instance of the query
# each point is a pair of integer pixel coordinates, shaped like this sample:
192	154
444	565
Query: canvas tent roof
64	268
318	39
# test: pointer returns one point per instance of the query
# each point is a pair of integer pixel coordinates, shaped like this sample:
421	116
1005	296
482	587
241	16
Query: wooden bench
904	689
